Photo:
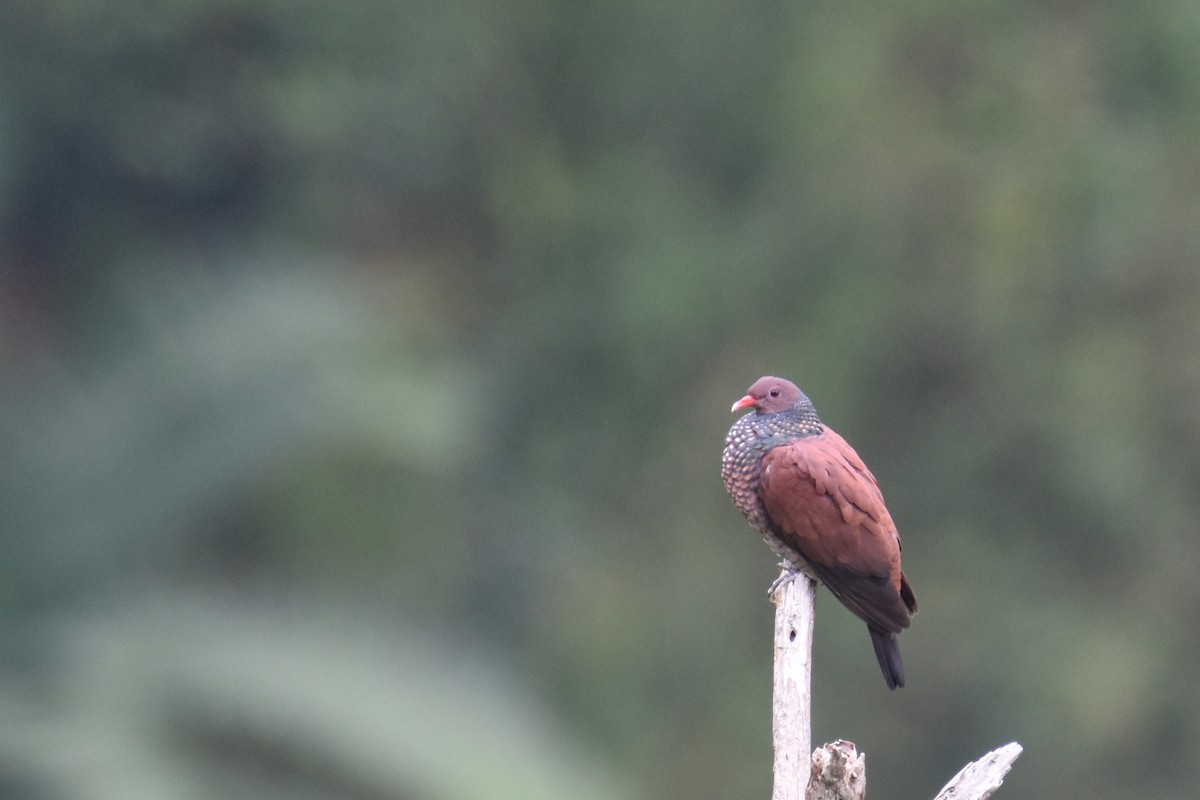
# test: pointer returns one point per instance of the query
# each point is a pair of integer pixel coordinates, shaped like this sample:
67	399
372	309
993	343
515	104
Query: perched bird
816	503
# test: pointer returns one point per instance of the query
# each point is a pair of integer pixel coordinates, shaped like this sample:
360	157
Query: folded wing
825	504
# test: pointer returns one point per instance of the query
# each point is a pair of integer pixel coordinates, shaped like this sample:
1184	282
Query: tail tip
887	651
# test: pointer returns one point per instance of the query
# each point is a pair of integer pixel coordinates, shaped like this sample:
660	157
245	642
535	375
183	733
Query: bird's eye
774	393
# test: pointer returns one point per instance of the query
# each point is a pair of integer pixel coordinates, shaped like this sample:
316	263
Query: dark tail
887	650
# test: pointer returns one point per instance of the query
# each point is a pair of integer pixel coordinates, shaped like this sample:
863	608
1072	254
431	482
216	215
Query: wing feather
826	505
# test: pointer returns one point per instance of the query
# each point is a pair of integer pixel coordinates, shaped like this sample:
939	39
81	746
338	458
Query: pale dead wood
791	723
836	771
839	772
977	780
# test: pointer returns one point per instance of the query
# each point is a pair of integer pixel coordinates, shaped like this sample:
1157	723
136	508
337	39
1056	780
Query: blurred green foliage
364	369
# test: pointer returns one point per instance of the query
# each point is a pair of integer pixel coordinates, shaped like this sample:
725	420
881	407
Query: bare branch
977	780
836	771
839	772
791	724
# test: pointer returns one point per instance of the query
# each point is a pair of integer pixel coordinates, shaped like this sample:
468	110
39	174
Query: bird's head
770	395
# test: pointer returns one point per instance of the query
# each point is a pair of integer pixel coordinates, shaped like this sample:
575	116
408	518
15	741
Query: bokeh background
364	369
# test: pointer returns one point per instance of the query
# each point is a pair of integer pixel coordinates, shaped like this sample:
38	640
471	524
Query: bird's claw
788	572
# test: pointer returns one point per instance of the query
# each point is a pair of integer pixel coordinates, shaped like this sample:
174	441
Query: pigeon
819	507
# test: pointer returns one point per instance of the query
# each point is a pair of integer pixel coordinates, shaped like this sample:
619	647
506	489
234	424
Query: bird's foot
788	572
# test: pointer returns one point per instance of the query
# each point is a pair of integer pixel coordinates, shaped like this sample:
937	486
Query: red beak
745	402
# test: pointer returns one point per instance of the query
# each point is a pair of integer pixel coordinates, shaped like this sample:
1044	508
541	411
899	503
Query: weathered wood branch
839	772
836	771
977	780
791	722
